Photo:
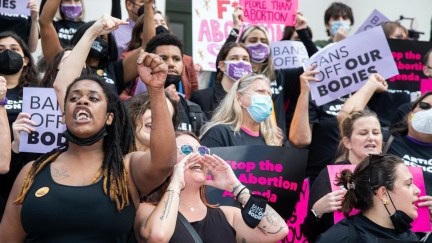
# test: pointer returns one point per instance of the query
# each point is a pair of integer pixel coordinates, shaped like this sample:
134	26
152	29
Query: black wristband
238	194
254	210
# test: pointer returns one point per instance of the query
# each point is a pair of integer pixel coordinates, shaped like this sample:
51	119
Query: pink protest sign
270	11
334	171
425	85
420	224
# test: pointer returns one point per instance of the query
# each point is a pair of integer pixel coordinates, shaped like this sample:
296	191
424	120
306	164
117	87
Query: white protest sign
288	54
42	105
346	65
211	26
15	7
374	19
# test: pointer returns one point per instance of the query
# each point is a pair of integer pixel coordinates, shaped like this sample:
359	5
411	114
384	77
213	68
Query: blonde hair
268	65
229	111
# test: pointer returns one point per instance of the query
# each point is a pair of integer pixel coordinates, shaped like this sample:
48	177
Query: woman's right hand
238	17
378	82
308	75
22	123
106	24
3	88
329	203
177	178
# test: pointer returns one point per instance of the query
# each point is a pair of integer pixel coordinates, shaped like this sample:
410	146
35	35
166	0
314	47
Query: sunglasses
188	149
424	105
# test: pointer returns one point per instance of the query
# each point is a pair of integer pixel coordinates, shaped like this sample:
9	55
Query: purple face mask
237	69
259	52
71	11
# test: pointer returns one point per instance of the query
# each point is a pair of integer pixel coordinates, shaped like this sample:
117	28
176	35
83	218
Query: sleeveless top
73	213
214	228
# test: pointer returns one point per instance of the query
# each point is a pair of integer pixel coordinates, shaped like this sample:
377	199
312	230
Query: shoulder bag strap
387	145
189	227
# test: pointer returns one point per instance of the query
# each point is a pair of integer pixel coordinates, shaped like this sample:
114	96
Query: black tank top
73	213
214	228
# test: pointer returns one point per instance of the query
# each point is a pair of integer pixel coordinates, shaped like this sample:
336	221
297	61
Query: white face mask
421	121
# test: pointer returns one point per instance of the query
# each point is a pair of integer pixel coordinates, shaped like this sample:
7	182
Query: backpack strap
387	144
189	228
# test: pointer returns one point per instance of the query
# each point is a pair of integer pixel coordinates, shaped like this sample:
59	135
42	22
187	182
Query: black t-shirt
385	104
224	136
209	98
19	24
414	153
112	74
65	30
14	105
191	117
325	135
358	228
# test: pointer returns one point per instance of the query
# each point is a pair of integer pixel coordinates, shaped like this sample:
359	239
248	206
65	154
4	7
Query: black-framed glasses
424	105
372	159
187	149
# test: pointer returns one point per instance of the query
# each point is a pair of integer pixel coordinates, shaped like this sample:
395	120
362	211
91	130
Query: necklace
191	208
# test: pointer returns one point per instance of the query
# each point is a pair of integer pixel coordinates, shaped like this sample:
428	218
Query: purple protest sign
374	19
288	54
15	7
346	65
270	11
420	224
42	105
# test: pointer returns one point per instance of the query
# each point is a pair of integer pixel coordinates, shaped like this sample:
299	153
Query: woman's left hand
106	24
34	9
222	174
426	201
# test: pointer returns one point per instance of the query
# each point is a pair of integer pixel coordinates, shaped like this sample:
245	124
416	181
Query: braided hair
118	142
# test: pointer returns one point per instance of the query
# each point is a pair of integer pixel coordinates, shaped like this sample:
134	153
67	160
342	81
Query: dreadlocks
118	142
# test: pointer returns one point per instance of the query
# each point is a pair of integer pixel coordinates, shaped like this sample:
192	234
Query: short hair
336	10
372	173
289	31
165	39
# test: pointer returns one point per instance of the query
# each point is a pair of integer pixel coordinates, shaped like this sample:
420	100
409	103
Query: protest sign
14	7
211	26
273	172
374	19
425	85
408	57
346	65
288	54
420	224
270	11
42	105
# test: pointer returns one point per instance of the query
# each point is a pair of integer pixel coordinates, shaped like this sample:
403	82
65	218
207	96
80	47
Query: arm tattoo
167	205
273	223
59	173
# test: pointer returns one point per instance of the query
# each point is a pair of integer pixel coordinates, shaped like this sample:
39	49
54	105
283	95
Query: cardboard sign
15	7
42	105
273	172
211	26
374	19
420	224
288	54
425	85
408	56
346	65
270	11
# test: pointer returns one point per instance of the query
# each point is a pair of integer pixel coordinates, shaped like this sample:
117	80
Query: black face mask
173	79
99	48
85	141
161	30
10	62
140	11
401	221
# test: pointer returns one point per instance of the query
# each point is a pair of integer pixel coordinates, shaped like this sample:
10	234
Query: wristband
238	194
4	102
254	210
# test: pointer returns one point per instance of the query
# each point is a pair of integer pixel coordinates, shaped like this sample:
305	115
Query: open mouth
370	146
196	166
82	114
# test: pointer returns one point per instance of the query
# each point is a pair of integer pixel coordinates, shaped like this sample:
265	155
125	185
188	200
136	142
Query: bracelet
238	194
4	101
170	189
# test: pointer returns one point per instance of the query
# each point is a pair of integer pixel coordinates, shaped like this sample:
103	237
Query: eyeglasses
188	149
424	105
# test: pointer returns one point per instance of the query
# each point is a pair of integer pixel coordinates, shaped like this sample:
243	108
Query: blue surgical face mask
336	24
260	108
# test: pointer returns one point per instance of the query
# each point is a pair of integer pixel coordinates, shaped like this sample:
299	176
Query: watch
315	214
4	102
